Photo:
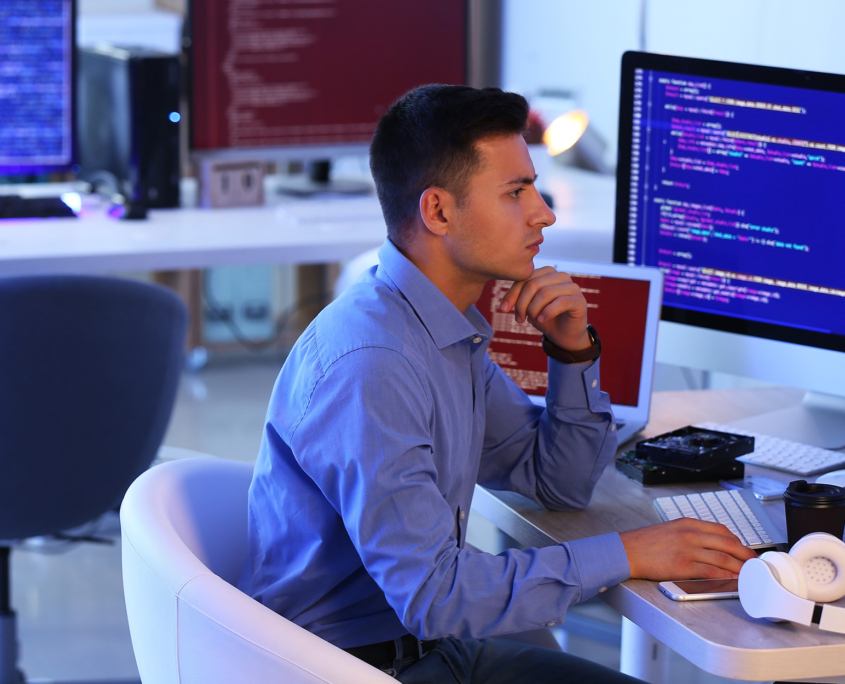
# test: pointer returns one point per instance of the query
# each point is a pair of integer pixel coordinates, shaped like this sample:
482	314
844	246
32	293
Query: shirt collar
439	316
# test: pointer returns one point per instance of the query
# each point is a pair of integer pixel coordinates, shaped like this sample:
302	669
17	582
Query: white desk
172	239
715	635
316	230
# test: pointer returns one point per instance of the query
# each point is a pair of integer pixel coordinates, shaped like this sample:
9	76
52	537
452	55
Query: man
389	410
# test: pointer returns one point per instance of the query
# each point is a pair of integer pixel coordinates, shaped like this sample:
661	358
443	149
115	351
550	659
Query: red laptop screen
617	308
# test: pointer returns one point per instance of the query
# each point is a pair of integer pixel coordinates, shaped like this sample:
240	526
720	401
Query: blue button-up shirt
385	415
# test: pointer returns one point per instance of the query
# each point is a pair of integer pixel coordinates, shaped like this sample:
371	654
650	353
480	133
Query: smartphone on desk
700	590
764	488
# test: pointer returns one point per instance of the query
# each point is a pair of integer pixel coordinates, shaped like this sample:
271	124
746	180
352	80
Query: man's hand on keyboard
684	549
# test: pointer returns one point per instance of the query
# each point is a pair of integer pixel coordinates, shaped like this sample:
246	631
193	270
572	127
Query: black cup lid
814	495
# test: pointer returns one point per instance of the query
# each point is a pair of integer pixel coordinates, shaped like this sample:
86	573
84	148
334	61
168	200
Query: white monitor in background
731	180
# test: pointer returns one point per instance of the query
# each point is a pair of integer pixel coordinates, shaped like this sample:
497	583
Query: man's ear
437	210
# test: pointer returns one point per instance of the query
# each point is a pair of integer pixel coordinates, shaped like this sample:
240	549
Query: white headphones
786	586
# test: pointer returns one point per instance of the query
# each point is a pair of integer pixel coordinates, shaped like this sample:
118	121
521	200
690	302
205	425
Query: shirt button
476	340
463	514
602	590
594	384
613	428
550	624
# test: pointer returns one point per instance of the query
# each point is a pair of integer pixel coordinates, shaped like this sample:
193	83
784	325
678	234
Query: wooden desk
715	635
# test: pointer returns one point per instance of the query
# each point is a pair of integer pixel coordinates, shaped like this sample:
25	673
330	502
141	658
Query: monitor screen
731	180
36	85
275	73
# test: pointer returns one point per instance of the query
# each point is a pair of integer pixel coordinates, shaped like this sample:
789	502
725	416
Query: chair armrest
221	629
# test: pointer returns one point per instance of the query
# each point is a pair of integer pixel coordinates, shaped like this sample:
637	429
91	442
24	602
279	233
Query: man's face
497	233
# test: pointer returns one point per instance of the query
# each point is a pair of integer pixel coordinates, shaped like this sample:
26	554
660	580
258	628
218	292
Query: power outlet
231	184
241	296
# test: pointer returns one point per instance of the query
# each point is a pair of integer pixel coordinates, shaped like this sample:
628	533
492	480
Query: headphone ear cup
787	571
821	558
763	595
818	535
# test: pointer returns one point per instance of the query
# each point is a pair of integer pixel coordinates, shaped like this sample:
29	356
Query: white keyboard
782	454
736	509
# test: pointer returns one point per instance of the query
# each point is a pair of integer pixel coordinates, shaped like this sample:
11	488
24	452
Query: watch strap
585	355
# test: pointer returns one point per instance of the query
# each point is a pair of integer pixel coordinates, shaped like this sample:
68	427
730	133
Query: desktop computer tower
128	122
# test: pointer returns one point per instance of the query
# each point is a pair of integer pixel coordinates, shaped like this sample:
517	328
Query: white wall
800	34
577	45
570	45
137	23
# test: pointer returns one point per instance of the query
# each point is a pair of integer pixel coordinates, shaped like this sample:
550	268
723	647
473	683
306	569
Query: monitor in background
36	86
309	81
731	180
623	305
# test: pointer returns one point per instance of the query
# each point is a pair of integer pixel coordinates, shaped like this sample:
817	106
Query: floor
72	621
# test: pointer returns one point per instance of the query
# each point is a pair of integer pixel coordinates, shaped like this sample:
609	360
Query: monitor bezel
794	78
32	169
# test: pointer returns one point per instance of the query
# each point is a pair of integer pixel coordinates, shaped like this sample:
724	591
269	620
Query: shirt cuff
601	562
575	386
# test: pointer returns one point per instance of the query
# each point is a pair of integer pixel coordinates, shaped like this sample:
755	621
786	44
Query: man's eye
516	193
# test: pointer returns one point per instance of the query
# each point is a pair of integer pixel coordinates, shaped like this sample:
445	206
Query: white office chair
184	529
353	269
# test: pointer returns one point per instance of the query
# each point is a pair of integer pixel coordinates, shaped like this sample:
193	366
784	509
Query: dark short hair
428	139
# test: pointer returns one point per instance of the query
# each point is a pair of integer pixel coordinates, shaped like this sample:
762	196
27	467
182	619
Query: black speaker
128	122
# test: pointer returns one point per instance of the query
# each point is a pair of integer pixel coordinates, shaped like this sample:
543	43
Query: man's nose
545	216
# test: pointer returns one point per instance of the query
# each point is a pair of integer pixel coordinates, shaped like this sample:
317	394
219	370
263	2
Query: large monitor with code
36	85
310	78
731	180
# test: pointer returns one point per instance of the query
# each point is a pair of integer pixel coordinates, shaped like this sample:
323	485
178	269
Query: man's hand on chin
553	304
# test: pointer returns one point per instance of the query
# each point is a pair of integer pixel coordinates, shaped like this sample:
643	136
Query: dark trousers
501	661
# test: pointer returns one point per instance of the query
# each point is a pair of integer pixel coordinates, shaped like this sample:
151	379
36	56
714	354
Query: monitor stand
319	181
819	420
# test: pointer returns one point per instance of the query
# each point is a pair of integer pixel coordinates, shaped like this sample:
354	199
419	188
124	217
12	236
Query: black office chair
89	368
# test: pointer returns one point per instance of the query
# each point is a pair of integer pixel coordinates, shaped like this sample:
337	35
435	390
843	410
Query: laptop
623	305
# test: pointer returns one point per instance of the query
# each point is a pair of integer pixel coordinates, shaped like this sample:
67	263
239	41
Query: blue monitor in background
731	180
36	86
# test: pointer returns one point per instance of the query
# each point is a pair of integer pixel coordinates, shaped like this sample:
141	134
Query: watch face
594	336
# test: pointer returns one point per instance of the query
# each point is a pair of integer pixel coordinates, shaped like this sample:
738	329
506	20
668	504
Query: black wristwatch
590	353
